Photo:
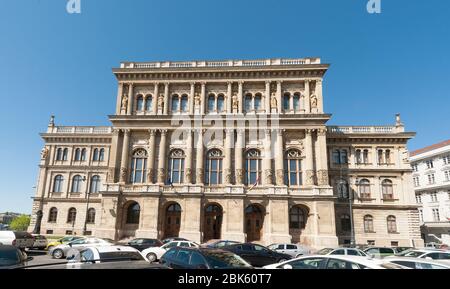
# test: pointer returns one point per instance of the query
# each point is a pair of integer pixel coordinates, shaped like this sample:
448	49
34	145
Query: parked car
143	243
380	252
257	255
341	251
12	257
202	258
401	249
218	243
63	240
40	242
417	263
334	262
167	240
63	250
20	240
433	245
294	250
433	254
105	254
154	253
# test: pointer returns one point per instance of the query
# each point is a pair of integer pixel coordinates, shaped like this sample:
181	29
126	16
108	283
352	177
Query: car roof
351	258
114	248
414	259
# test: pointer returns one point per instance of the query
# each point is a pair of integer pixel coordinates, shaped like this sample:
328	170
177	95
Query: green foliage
20	223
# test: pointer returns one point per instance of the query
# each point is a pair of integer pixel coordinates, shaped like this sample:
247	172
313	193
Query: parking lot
41	258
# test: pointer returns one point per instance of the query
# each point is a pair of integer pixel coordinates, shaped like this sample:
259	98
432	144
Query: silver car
294	250
65	250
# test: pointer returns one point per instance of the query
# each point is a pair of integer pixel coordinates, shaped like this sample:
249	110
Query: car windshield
324	251
117	256
8	258
410	253
219	260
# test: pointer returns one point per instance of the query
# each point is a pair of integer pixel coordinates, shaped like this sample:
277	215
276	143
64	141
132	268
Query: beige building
234	150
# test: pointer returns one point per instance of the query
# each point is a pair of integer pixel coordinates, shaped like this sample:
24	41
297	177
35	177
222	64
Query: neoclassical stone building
234	150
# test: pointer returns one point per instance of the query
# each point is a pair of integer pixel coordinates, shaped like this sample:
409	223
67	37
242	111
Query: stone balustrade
80	129
364	129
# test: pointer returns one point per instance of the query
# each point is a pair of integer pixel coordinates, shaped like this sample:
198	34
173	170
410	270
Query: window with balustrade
387	189
293	168
253	167
364	189
138	170
176	166
213	168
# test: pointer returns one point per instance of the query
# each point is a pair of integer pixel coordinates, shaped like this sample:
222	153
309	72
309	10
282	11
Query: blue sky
52	62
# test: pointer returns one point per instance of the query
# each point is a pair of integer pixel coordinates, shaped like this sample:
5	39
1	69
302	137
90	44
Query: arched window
83	154
175	103
95	156
133	212
358	157
184	103
72	215
95	184
368	224
296	102
366	156
342	189
213	170
297	218
248	102
336	156
176	166
387	156
211	102
101	156
76	184
174	208
90	218
391	224
58	183
292	168
52	215
220	103
140	103
149	103
59	155
345	223
387	189
253	167
257	102
138	166
364	189
77	156
286	101
65	154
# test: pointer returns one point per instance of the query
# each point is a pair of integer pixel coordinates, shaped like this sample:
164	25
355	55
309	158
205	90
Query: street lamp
87	208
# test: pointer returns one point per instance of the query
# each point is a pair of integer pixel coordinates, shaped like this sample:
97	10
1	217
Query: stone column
238	154
130	99
162	157
151	157
124	160
199	161
309	172
229	96
319	96
322	165
203	99
240	96
192	99
267	161
155	99
279	99
112	171
306	104
279	159
267	97
229	134
119	98
166	99
189	153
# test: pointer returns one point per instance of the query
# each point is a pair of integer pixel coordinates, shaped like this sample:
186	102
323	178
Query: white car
294	250
341	251
334	262
20	240
71	248
417	263
153	254
104	254
431	254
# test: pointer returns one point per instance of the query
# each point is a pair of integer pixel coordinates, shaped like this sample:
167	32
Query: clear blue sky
52	62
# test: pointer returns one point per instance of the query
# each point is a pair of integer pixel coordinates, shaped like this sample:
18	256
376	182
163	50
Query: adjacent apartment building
235	149
431	179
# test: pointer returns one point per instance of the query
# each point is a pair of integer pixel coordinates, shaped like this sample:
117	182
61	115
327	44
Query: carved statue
197	100
124	101
44	153
235	101
188	175
160	101
123	174
273	101
313	101
239	176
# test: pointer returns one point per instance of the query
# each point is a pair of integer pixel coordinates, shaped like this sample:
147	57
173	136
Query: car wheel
151	257
58	254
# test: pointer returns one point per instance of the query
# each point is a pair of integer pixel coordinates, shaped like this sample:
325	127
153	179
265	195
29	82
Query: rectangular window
69	232
434	197
416	181
421	216
436	215
447	176
371	242
414	167
446	160
394	243
429	164
431	179
419	199
49	232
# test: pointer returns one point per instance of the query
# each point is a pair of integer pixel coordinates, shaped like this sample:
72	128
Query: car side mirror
287	266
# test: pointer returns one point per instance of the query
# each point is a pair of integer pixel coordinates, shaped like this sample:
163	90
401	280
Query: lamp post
352	228
87	209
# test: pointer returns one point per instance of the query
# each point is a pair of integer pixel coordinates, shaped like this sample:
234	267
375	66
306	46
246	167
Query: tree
20	223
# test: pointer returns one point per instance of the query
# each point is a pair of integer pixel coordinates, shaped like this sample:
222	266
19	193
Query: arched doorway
254	220
298	218
212	225
172	220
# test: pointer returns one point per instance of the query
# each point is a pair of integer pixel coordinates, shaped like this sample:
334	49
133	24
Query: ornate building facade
236	150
